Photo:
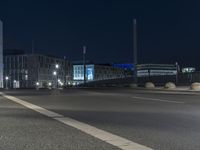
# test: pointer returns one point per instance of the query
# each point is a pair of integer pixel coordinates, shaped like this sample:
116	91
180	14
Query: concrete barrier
133	85
195	86
170	85
149	85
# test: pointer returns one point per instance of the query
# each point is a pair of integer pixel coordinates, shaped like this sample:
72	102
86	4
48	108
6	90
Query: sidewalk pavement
177	89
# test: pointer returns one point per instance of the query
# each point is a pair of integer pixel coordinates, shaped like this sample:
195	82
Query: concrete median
195	86
149	85
170	85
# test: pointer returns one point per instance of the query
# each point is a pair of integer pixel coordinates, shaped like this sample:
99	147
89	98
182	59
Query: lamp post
177	71
55	74
135	50
84	65
14	84
57	68
6	81
49	85
26	80
37	85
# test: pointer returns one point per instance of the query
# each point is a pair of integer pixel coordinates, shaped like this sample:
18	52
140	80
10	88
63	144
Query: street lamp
14	86
37	85
57	66
6	81
49	85
54	73
26	80
61	84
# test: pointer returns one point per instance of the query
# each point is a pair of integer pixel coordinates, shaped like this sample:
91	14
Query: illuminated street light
57	66
37	85
54	73
26	77
49	85
6	81
14	85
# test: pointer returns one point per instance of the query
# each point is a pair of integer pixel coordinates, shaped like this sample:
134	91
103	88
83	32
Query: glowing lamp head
57	66
54	73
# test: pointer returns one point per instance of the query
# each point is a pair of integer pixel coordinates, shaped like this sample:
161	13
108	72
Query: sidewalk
178	88
182	89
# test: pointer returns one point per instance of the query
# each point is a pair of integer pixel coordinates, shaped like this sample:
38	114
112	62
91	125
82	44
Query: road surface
99	119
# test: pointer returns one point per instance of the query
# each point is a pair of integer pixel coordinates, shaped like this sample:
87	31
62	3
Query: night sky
169	31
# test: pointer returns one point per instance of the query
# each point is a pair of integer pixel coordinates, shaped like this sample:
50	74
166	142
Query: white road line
105	136
33	107
156	99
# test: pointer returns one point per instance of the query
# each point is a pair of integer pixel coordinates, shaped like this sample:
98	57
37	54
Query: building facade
97	72
1	54
31	70
145	70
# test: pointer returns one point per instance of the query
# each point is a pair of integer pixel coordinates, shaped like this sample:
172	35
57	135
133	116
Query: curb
170	90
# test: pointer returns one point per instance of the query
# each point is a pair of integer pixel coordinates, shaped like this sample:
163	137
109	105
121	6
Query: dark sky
169	31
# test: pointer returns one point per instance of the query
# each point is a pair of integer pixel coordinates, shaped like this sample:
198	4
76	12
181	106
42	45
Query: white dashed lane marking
156	99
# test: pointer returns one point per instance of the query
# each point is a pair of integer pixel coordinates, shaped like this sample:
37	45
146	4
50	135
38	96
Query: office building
31	70
145	70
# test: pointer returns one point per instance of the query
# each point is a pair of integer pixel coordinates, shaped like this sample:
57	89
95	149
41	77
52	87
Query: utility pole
177	71
84	64
32	47
65	71
135	50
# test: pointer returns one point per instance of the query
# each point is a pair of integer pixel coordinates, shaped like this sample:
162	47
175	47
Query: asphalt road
158	120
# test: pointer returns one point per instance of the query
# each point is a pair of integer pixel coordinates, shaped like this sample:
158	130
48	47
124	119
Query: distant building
144	70
96	72
25	70
1	54
156	70
188	70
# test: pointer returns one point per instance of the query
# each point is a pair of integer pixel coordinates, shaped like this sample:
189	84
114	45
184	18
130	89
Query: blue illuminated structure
126	66
96	72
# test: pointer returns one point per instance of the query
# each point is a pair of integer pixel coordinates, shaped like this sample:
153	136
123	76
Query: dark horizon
168	31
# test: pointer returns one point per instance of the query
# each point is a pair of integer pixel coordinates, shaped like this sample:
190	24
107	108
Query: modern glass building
1	54
78	72
96	72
